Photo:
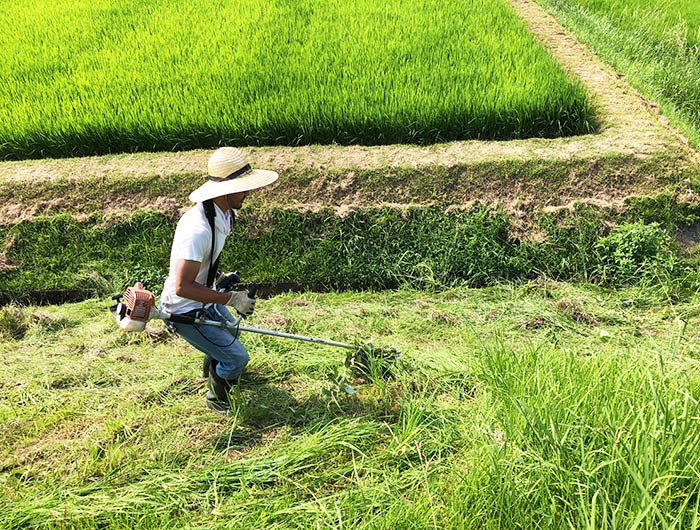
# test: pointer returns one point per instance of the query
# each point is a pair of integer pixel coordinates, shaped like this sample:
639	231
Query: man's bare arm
187	287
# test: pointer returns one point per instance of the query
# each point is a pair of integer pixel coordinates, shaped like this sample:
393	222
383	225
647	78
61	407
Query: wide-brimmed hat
230	173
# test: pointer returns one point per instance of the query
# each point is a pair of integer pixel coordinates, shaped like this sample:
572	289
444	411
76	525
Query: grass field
681	17
82	78
540	406
655	44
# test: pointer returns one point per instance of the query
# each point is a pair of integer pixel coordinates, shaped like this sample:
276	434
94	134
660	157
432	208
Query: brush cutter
138	307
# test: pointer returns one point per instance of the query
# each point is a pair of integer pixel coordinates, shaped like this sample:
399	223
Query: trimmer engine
138	307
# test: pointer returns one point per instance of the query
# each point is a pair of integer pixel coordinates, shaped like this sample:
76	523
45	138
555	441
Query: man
190	287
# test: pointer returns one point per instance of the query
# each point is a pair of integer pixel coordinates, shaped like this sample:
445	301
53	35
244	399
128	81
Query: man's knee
232	361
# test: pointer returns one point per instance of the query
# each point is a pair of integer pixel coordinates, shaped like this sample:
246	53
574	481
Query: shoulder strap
210	213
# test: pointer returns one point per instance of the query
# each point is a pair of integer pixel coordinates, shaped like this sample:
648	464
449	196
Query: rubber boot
217	394
206	363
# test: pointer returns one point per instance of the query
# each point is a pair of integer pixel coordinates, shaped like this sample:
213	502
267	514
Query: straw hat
230	173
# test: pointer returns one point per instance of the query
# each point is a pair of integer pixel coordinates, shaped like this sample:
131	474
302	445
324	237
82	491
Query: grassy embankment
131	76
369	249
96	240
541	406
655	44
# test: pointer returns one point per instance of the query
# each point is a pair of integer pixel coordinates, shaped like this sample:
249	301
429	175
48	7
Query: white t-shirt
192	241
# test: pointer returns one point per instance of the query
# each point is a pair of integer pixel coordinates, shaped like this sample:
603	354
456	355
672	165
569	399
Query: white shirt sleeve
192	240
195	247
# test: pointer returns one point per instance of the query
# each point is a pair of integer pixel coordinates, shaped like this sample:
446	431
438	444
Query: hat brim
256	178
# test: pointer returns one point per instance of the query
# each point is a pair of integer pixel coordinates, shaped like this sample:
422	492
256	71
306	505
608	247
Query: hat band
237	173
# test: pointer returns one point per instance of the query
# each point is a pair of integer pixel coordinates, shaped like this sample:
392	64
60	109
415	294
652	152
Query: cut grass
546	405
126	76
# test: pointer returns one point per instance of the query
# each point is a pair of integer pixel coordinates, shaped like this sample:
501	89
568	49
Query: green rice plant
123	76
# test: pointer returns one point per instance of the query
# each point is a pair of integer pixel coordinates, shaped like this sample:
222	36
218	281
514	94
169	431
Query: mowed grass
540	406
655	44
82	78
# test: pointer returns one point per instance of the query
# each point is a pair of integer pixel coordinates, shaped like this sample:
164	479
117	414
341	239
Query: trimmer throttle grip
227	281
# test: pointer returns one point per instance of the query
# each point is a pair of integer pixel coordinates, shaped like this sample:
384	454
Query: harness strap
210	212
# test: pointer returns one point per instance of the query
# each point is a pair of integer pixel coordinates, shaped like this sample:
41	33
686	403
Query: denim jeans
221	344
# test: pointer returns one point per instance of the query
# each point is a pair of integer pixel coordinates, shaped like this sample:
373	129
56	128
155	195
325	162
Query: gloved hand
226	281
242	303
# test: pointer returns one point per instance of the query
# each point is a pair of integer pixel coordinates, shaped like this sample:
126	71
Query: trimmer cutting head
370	361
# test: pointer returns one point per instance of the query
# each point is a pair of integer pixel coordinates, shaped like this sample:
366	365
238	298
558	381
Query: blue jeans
220	344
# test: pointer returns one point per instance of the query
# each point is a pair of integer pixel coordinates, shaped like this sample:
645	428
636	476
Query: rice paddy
80	78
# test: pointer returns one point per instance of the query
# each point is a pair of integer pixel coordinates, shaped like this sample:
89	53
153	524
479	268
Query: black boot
217	395
206	363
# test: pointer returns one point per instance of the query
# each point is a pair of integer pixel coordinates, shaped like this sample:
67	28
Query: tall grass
508	410
608	440
82	78
374	248
655	44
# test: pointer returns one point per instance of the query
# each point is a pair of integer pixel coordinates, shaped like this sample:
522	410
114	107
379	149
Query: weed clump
14	323
633	252
372	362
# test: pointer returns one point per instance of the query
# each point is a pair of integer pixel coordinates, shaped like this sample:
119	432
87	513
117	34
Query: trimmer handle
182	319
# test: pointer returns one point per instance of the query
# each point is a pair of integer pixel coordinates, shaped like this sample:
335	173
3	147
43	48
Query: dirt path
631	122
632	128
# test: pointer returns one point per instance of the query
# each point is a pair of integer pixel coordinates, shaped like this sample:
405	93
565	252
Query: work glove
242	303
226	281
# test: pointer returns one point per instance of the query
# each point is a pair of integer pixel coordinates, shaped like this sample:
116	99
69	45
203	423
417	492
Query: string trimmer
139	306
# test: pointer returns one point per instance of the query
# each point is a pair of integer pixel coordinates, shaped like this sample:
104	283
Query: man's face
235	200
